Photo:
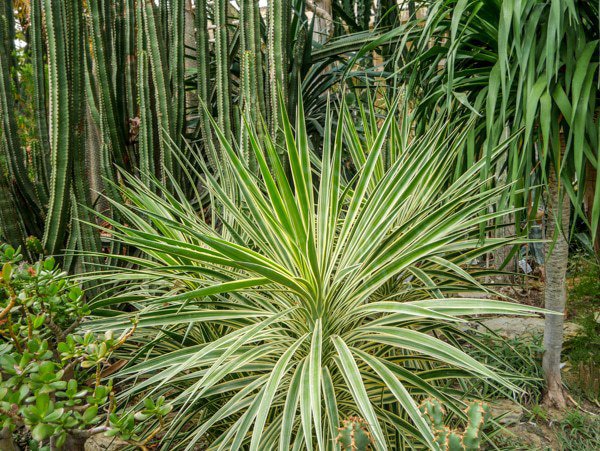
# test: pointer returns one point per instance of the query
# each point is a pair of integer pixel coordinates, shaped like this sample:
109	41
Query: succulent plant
453	439
354	435
34	245
51	376
110	79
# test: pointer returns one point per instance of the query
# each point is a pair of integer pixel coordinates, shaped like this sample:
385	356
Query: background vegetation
237	177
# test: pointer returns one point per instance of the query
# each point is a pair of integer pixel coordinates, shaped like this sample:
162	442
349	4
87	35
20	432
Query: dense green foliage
51	377
529	66
289	205
579	432
584	303
295	304
583	350
520	355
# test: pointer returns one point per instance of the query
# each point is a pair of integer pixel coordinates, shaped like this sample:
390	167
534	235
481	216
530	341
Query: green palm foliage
529	65
293	304
532	66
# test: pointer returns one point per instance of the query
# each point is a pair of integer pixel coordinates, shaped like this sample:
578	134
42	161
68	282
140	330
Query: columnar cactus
277	65
58	30
452	439
160	78
354	435
12	155
203	86
222	67
251	77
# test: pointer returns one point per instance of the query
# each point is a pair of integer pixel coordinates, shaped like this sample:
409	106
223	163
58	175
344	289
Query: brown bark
588	199
555	295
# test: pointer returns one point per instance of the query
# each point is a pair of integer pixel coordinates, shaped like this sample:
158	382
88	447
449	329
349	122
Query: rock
522	327
508	410
526	434
6	441
101	442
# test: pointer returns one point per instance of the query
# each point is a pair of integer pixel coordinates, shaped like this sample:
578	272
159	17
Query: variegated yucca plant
295	303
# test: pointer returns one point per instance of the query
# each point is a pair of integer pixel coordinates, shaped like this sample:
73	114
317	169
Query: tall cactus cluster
110	87
119	83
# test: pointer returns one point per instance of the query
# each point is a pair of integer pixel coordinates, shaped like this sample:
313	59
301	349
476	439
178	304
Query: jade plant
53	378
453	439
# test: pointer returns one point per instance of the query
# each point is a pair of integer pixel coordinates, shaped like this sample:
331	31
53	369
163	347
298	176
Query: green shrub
583	350
518	359
50	376
538	413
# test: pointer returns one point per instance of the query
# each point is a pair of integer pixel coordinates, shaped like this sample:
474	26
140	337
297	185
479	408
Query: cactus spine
37	51
12	228
11	143
109	90
251	73
203	76
251	87
11	224
477	414
177	53
146	124
84	234
100	95
157	59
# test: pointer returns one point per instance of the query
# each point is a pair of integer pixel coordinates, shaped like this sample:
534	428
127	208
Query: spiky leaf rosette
295	304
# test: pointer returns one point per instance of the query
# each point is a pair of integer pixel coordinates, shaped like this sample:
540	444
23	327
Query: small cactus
477	413
452	439
354	435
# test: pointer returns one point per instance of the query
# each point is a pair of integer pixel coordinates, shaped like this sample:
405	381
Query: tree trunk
591	174
323	26
555	296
